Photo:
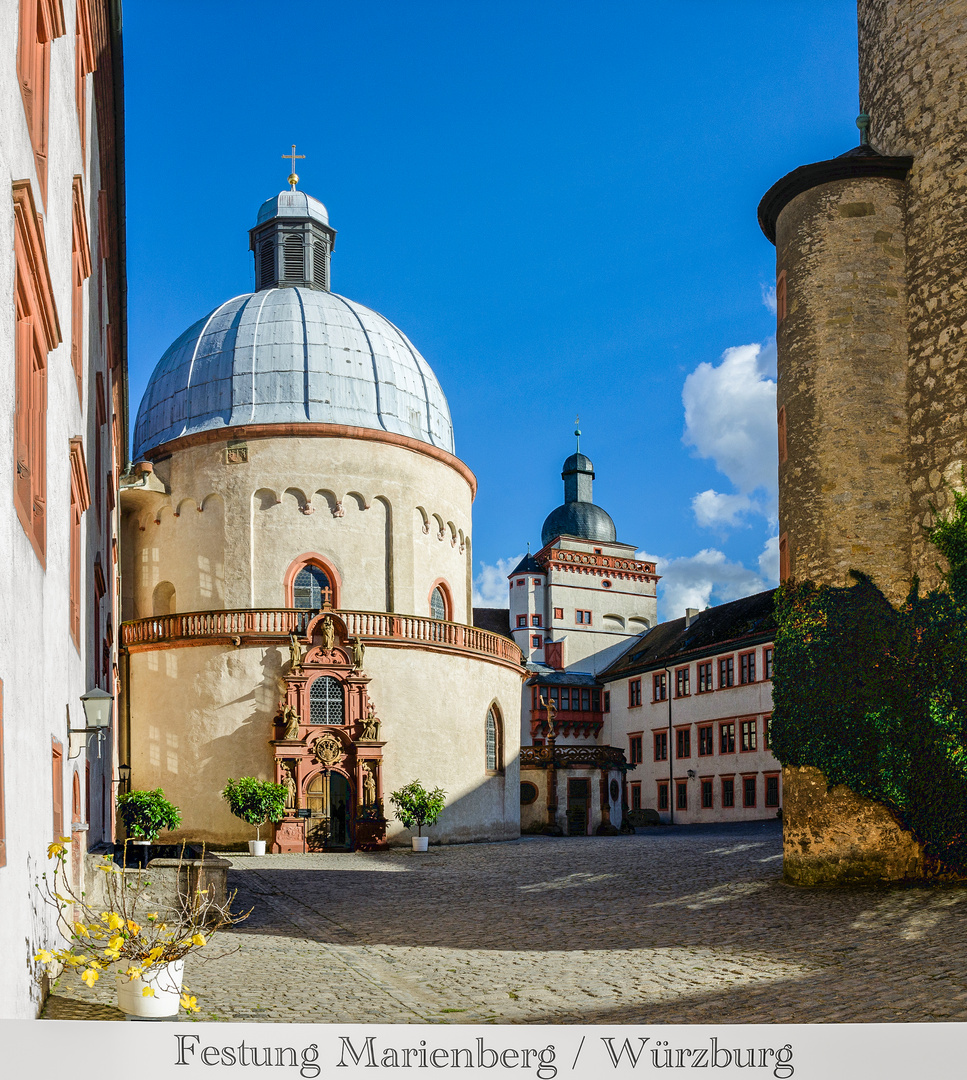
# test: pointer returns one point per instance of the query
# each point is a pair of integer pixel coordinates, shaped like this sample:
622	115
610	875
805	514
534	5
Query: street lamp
124	776
97	712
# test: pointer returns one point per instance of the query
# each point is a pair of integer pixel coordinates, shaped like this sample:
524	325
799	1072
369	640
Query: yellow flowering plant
126	934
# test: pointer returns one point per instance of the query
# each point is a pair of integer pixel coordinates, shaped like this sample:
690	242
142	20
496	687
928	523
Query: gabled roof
748	621
494	619
563	678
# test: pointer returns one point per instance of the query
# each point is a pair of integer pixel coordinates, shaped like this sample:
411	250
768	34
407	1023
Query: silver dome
292	355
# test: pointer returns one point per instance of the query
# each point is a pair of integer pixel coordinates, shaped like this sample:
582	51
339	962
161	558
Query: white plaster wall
42	671
376	543
204	713
752	701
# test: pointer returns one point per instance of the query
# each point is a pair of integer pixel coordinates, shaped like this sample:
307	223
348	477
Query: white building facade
690	704
62	440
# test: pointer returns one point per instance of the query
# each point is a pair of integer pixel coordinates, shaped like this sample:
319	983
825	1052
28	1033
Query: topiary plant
146	813
255	801
417	806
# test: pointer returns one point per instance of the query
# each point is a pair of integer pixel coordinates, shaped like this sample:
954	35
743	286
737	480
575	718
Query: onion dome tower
578	516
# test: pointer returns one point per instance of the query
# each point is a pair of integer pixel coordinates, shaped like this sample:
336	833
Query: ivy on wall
876	696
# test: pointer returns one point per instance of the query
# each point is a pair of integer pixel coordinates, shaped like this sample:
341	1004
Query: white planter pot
256	847
166	983
420	843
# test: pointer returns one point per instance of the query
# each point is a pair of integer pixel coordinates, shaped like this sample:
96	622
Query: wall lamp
97	712
124	776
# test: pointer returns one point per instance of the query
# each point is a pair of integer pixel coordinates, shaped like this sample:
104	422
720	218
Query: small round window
528	793
606	584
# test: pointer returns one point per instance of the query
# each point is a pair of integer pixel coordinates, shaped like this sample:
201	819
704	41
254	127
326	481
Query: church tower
871	295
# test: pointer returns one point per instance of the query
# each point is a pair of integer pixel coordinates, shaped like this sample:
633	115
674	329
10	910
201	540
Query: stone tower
872	391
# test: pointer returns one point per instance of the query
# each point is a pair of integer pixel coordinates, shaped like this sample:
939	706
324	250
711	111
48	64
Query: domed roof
292	204
578	463
292	355
581	519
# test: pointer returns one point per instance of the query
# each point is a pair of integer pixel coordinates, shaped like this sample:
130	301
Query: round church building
296	547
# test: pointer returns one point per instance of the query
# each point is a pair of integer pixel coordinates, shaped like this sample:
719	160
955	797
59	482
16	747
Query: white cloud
714	510
730	417
490	585
769	297
709	578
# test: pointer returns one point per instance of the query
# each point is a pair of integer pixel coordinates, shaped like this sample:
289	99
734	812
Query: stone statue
370	725
369	785
328	634
359	651
551	713
295	652
291	719
290	790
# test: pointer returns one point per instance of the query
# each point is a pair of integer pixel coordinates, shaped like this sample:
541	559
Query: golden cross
293	179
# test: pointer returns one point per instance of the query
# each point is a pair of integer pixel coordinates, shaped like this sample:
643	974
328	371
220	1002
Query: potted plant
145	814
148	947
414	805
256	801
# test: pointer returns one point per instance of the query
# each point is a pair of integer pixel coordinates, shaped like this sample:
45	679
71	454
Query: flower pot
256	847
166	983
140	852
420	843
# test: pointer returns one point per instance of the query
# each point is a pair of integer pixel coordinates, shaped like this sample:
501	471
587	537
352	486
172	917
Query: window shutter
293	254
266	264
320	265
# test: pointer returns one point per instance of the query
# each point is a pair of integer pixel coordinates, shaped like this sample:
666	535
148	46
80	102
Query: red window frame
748	736
781	431
772	781
705	677
662	801
635	751
683	742
681	794
708	793
634	790
746	668
728	792
661	745
559	613
781	297
582	617
537	641
767	660
521	622
634	693
727	737
749	783
706	740
682	679
767	732
726	672
535	620
659	687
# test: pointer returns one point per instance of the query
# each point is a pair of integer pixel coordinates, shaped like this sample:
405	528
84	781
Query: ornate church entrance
328	798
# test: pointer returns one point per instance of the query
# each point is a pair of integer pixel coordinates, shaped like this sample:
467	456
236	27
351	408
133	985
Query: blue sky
554	200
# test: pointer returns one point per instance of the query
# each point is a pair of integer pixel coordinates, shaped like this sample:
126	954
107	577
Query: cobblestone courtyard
690	925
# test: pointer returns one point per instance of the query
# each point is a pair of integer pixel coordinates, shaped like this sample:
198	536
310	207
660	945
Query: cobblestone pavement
681	925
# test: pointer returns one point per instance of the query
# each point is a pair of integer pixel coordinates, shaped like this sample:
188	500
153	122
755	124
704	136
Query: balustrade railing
537	757
280	622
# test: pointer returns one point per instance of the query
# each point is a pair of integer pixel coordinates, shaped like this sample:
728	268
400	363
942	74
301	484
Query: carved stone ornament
327	750
328	634
291	719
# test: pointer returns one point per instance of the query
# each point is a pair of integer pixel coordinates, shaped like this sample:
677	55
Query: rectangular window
635	796
781	425
748	735
772	791
705	677
607	701
727	738
535	620
681	682
663	795
554	696
728	792
583	617
559	613
57	777
537	642
634	749
40	22
537	582
706	794
634	692
767	732
81	271
785	560
747	668
683	742
661	746
781	297
585	700
748	791
659	689
521	620
705	741
681	795
767	662
595	701
726	671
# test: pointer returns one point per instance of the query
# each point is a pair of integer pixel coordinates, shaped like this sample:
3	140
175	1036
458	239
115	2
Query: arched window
441	606
307	589
325	701
163	600
493	741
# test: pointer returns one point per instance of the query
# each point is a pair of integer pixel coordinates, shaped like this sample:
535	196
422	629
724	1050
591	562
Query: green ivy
876	696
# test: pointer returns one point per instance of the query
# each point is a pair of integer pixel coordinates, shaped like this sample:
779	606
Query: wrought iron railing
539	757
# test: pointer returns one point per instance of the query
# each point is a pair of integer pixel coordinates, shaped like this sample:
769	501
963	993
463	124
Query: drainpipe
671	781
